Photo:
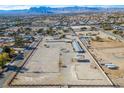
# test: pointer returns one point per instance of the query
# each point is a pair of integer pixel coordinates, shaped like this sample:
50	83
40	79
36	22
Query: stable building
77	47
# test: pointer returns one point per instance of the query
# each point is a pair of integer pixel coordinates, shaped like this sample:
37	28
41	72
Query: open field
107	44
110	52
53	65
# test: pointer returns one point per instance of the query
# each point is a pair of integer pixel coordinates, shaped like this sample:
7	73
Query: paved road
4	76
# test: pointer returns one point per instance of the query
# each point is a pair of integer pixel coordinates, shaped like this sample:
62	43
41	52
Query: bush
98	39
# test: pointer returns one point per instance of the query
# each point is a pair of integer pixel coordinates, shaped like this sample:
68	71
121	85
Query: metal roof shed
77	46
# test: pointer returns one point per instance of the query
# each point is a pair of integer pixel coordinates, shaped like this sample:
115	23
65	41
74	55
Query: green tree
98	39
19	42
83	28
115	31
3	59
106	26
40	30
9	50
6	49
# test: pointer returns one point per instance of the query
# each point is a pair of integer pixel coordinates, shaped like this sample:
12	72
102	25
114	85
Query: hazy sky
23	3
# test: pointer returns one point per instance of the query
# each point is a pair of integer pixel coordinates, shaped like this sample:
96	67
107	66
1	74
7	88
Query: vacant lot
111	52
107	44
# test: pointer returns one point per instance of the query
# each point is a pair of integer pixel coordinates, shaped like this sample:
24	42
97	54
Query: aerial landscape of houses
62	47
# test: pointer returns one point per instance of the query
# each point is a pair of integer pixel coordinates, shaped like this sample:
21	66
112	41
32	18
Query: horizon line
22	7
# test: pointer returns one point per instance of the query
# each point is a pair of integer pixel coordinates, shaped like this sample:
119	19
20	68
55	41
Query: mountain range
57	10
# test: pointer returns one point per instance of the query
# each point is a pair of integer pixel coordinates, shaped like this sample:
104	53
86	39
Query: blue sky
15	7
26	4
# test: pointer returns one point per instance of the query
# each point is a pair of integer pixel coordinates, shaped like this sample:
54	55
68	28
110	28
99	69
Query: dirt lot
111	52
107	44
44	68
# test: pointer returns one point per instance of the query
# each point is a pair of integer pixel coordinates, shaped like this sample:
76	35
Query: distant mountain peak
68	9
